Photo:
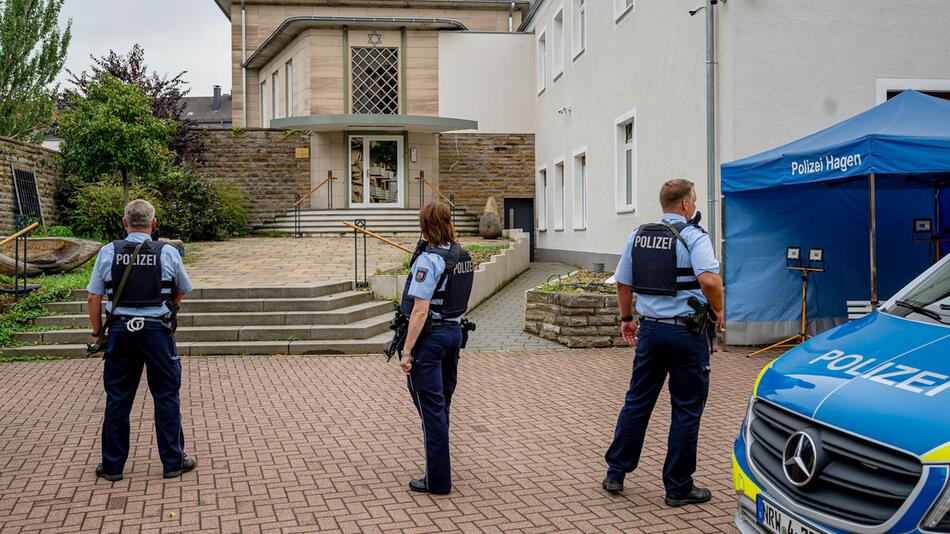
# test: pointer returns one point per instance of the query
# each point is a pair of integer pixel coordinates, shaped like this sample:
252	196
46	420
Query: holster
170	321
697	322
467	326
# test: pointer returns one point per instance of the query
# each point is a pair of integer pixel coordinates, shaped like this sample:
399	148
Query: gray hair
139	213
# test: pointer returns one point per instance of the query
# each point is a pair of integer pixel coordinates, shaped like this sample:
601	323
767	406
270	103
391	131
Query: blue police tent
853	190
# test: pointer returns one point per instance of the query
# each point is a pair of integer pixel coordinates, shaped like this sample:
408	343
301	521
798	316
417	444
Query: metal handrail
376	236
314	190
26	230
422	177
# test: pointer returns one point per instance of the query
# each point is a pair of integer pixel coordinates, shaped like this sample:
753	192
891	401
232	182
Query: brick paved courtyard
298	444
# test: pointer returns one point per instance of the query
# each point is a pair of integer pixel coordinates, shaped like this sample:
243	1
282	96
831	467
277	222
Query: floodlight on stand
793	262
923	226
816	255
793	255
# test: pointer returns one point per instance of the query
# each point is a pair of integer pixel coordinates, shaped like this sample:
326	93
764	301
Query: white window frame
579	28
579	181
289	88
559	197
622	8
275	92
264	104
541	193
557	43
620	161
542	60
883	85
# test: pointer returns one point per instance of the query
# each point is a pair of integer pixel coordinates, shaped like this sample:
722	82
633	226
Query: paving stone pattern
279	261
301	444
500	319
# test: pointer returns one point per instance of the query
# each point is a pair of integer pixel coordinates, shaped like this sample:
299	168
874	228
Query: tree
111	130
32	52
166	94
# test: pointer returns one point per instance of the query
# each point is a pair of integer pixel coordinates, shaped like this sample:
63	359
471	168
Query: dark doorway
519	213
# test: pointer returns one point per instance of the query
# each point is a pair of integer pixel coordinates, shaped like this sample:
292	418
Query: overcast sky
177	35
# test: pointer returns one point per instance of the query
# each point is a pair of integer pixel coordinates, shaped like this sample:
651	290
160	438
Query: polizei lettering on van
888	373
827	163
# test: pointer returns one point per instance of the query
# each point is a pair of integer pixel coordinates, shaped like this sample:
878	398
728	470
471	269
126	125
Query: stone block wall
45	164
262	163
576	320
474	166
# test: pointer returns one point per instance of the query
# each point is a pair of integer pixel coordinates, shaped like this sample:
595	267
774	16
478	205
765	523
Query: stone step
318	289
373	345
322	303
345	315
362	329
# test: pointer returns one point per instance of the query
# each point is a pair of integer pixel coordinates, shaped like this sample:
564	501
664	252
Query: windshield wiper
921	310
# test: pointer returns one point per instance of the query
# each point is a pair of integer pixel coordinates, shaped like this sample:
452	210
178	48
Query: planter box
575	320
489	276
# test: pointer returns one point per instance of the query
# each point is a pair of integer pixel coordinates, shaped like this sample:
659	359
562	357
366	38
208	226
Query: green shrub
98	210
196	208
53	231
235	207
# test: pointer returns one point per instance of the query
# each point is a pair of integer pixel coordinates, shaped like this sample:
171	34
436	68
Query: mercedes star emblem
800	458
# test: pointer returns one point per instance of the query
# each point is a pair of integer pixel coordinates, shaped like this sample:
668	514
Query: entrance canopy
853	190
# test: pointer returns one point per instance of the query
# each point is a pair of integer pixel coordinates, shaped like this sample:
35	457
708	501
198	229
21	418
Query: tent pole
872	202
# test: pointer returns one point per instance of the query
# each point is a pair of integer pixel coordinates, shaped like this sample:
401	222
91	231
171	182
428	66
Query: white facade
786	69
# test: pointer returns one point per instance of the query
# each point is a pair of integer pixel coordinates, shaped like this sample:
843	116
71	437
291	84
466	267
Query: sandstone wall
576	320
483	165
262	163
44	163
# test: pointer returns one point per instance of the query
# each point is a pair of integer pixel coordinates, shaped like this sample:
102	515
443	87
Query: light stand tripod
801	336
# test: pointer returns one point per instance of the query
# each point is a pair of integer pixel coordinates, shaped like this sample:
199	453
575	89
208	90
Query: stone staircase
324	318
382	221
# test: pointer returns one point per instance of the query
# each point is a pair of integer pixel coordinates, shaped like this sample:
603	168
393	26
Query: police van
850	431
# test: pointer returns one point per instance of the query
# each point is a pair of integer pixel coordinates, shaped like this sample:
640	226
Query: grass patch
18	316
579	282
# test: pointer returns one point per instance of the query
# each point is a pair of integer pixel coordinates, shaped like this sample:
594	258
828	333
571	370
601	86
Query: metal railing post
297	232
330	190
356	259
452	206
422	190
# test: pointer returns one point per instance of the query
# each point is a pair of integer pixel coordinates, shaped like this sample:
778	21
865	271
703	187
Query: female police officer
434	299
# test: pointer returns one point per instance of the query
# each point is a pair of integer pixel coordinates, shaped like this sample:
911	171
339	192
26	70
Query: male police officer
666	263
435	298
140	333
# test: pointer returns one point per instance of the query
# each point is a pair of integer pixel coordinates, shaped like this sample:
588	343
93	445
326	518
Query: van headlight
938	519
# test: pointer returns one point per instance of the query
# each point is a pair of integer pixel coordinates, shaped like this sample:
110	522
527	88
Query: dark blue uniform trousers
125	354
431	383
663	349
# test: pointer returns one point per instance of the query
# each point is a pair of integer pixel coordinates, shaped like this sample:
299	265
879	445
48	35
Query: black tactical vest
458	277
655	267
144	287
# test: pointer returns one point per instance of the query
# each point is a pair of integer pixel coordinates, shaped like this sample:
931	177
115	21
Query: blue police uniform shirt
425	275
172	267
700	257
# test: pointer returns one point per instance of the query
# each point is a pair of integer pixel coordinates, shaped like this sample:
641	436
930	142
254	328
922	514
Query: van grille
861	481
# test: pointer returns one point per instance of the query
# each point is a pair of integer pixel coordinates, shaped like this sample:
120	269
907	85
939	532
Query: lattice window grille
375	80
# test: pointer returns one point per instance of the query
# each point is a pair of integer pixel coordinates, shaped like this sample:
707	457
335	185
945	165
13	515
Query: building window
557	44
275	93
580	189
289	84
375	80
542	61
580	27
542	192
621	8
626	129
559	194
264	104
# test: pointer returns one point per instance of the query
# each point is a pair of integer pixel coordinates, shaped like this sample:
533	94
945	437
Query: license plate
778	521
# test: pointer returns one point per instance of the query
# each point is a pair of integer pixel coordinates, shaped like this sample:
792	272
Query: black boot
695	496
101	473
188	464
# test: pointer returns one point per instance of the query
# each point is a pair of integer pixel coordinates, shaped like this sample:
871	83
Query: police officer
435	298
665	264
139	333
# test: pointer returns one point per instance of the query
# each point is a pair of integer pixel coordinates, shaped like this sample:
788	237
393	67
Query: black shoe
695	496
420	485
188	464
612	486
101	473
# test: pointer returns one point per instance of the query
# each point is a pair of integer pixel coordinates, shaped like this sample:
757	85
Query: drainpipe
243	60
511	18
711	122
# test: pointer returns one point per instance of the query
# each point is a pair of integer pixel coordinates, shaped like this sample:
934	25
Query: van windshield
927	301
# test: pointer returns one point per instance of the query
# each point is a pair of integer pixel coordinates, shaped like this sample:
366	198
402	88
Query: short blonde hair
139	213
